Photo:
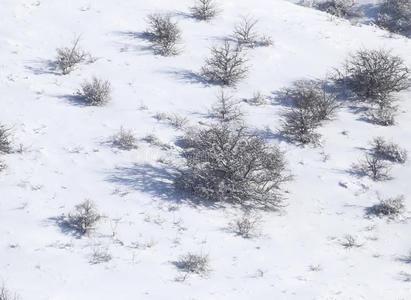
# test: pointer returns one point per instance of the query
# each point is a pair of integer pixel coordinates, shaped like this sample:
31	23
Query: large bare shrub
5	143
83	218
226	65
374	74
224	162
338	8
69	57
164	34
388	150
395	16
95	93
204	10
299	125
310	95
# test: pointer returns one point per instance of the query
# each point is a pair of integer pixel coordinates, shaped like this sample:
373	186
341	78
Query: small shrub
246	226
382	115
388	151
194	263
69	57
374	167
395	16
350	242
226	163
226	109
374	74
5	143
257	99
3	166
299	125
164	34
226	65
124	140
390	207
100	255
311	96
84	218
95	93
246	35
338	8
173	119
204	10
6	294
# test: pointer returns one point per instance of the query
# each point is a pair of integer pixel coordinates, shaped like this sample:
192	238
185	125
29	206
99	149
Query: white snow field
64	158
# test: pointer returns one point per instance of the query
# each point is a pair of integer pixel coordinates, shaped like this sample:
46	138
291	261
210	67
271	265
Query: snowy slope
66	159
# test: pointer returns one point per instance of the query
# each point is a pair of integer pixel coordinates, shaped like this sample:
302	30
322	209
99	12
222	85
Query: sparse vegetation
164	34
245	34
69	57
6	294
204	10
390	207
95	93
246	225
124	140
226	65
194	263
100	255
395	16
83	218
374	167
5	143
338	8
388	151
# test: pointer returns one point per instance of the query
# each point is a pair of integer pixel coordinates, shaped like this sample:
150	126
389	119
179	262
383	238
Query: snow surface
66	159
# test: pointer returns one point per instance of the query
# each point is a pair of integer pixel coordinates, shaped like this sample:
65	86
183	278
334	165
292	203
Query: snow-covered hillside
63	157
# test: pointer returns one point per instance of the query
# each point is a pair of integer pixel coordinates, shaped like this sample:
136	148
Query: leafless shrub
226	163
226	109
226	65
69	57
100	255
299	125
3	166
395	16
374	167
95	93
390	207
83	218
204	10
194	263
310	95
246	225
5	143
374	74
155	141
246	35
350	242
6	294
388	150
164	34
124	140
338	8
174	120
257	99
382	115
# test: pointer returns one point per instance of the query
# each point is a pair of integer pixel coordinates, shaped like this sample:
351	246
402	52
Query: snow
66	159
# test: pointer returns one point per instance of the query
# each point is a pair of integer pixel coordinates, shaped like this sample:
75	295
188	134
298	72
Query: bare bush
83	218
124	140
204	10
6	294
245	34
69	57
257	99
226	109
3	166
390	207
338	8
194	263
299	125
246	225
95	93
100	255
310	95
174	120
374	74
164	34
350	242
226	163
226	65
382	115
374	167
388	150
395	16
5	143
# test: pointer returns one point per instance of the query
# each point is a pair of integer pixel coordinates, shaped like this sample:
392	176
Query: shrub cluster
338	8
395	16
390	207
388	151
